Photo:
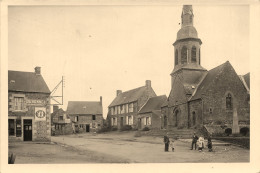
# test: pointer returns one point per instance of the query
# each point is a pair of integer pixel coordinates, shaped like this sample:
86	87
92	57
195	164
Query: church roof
84	107
128	96
26	82
211	75
153	103
245	79
188	66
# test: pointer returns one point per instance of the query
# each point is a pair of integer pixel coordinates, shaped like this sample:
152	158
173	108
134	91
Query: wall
215	98
41	130
87	119
195	106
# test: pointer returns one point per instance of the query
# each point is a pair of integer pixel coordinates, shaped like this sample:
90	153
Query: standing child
201	143
172	144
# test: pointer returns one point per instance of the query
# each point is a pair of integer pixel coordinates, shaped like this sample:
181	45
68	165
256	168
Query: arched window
199	56
193	54
176	57
184	54
229	101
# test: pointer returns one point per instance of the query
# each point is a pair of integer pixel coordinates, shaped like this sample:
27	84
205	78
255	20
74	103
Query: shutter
126	120
149	120
132	120
115	121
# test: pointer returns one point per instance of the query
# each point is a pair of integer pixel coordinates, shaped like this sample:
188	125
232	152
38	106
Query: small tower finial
187	16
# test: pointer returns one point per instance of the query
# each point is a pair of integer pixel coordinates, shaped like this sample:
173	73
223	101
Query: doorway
193	118
121	122
139	123
87	127
176	118
27	130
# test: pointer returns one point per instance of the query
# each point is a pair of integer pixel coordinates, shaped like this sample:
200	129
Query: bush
228	131
114	129
104	129
146	129
126	128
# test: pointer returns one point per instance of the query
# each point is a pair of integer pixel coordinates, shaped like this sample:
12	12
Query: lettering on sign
35	102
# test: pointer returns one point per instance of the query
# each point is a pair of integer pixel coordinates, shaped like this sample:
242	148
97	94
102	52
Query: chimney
101	100
118	92
37	70
55	108
148	83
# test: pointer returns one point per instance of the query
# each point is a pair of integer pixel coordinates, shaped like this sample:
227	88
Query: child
201	143
171	144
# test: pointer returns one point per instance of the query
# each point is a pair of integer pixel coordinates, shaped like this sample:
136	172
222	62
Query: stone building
28	106
150	113
124	108
217	98
60	121
86	116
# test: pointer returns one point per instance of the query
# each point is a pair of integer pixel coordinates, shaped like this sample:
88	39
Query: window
126	108
131	107
147	121
76	118
18	128
193	54
60	118
122	107
18	103
129	120
184	54
11	127
115	109
210	110
176	57
113	121
93	117
112	111
229	102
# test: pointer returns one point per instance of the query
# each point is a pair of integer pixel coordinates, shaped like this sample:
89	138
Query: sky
101	49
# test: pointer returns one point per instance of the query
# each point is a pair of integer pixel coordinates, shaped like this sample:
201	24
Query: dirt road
150	149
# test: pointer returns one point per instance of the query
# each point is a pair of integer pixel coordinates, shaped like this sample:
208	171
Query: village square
205	118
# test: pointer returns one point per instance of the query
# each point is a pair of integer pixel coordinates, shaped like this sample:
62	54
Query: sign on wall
35	102
40	114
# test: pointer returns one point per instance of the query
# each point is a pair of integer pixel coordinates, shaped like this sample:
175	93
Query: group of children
200	142
196	141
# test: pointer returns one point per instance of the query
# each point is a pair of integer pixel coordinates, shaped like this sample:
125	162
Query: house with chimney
150	114
28	106
86	116
123	110
61	122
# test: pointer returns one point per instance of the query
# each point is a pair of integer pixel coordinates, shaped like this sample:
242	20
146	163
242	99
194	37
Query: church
216	100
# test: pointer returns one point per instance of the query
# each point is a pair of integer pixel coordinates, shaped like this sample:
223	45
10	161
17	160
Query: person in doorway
166	142
201	143
172	144
194	141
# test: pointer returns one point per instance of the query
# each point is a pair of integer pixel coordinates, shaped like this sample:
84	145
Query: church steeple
187	44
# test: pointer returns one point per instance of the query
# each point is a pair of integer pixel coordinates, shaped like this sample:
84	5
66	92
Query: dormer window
176	57
193	54
184	54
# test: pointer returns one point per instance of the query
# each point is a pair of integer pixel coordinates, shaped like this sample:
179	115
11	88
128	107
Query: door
87	127
139	123
121	121
27	130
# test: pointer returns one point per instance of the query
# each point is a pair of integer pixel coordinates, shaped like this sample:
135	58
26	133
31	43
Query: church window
210	110
193	54
229	101
184	54
176	57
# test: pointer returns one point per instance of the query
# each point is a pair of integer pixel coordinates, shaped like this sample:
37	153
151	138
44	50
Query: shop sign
40	114
35	102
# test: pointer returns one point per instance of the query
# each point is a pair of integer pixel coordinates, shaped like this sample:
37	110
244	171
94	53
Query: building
86	116
215	99
60	121
28	106
124	108
150	114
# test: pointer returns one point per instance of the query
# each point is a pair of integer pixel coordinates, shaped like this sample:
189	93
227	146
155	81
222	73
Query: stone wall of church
195	113
178	116
214	99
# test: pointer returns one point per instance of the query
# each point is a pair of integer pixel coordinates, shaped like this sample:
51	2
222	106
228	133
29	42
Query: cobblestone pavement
148	149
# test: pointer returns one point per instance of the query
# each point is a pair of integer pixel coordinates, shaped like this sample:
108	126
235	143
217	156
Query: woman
201	143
